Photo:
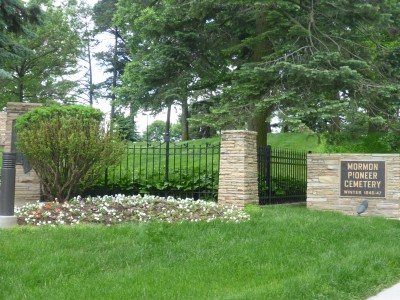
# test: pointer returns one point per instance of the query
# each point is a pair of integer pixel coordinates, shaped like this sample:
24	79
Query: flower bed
118	209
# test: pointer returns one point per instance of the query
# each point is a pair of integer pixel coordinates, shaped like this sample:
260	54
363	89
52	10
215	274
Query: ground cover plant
192	171
118	209
282	252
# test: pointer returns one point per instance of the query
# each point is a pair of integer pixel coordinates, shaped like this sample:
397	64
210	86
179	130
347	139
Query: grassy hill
291	140
294	140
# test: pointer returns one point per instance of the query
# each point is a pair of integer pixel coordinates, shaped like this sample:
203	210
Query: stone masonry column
238	176
27	186
3	120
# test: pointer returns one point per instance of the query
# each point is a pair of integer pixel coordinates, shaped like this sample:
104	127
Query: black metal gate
282	175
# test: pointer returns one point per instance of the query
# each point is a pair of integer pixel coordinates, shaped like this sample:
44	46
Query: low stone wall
27	186
340	182
238	184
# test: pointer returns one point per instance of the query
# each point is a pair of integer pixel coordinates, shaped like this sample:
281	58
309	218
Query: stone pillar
27	186
238	175
3	120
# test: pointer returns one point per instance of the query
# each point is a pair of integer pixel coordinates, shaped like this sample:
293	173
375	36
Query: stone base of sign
8	221
324	185
238	177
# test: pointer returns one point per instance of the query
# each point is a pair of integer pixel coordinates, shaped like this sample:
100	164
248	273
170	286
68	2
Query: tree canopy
319	63
330	66
41	73
114	58
14	19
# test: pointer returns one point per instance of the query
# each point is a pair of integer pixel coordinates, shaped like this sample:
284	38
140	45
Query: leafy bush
283	186
178	185
64	144
369	143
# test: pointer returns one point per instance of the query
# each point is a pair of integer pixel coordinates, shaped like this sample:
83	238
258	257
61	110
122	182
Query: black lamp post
7	190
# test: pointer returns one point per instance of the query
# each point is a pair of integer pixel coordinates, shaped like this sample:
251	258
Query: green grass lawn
284	252
295	140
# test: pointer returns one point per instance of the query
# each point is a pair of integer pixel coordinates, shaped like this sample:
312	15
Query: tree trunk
168	122
258	123
268	121
184	120
335	126
21	92
91	87
115	74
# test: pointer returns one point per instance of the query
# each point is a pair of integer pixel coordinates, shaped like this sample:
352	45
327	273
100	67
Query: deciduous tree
40	73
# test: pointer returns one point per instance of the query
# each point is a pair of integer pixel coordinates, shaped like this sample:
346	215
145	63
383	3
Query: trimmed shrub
66	144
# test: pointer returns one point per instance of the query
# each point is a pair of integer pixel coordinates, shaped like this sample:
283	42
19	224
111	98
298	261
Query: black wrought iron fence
282	175
192	170
165	169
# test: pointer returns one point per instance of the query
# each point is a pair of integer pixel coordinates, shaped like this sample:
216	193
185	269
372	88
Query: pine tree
14	17
312	62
